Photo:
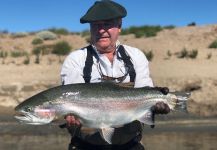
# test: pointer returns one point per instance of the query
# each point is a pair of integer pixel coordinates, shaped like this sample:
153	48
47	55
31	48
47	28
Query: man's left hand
160	108
164	90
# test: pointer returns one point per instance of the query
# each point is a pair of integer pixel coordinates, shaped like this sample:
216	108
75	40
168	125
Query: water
192	136
170	133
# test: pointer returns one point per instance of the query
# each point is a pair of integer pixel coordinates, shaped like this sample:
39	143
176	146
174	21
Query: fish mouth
30	118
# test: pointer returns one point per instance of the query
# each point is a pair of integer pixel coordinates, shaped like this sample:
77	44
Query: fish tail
182	98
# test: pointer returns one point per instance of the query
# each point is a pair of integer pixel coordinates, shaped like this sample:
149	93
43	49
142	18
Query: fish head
35	110
35	116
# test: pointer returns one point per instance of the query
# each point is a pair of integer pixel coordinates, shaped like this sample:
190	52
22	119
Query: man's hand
163	90
72	121
72	124
160	108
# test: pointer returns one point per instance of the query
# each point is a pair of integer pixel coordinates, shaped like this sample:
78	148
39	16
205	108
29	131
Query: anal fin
147	118
107	134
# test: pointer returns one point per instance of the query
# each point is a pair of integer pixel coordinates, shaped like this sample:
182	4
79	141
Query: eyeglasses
113	79
105	24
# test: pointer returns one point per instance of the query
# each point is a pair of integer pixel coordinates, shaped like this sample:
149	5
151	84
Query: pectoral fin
107	134
147	118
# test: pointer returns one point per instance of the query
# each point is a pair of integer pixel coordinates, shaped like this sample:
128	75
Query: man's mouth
103	37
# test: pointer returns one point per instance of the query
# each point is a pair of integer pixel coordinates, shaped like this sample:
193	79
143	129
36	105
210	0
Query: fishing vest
89	63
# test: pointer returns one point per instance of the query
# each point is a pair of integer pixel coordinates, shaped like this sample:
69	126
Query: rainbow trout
102	106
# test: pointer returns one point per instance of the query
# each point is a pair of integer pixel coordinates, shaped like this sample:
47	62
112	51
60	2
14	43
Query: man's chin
104	49
102	44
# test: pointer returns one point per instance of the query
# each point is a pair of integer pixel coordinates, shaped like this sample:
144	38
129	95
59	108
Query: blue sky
34	15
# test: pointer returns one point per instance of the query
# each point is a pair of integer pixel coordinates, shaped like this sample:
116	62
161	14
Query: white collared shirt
72	68
72	72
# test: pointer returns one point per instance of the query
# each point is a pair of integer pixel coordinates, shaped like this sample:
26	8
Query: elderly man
106	59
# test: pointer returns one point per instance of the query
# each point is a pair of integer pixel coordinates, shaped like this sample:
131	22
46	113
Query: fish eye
28	109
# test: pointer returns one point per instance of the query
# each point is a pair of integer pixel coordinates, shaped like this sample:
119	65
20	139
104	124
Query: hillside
198	75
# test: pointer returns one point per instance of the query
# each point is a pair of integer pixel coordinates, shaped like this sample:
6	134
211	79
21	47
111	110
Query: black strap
128	63
88	64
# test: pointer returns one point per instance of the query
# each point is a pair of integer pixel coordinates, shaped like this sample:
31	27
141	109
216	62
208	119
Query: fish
102	106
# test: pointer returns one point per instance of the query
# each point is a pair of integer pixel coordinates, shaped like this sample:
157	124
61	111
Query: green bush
192	24
183	53
3	54
19	34
36	51
209	56
149	55
169	27
146	31
37	59
213	44
59	31
61	48
139	34
169	54
46	35
42	49
46	49
37	41
193	54
17	53
27	60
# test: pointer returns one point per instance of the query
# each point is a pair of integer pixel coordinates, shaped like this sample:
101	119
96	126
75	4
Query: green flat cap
104	10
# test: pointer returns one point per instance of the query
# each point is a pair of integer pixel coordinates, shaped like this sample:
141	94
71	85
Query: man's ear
120	25
119	30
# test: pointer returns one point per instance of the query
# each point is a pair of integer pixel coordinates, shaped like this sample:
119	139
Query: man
107	60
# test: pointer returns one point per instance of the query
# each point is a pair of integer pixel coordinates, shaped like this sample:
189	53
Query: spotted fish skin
97	105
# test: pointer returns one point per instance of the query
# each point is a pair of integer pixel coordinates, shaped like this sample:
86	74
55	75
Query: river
172	132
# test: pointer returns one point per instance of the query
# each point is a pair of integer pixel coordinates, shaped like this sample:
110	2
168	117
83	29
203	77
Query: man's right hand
71	120
73	125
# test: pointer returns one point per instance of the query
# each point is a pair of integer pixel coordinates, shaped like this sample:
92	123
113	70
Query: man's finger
77	122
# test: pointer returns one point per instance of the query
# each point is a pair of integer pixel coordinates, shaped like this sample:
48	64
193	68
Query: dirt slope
19	81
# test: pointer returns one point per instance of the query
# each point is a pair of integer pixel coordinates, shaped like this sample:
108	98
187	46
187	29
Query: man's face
104	34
